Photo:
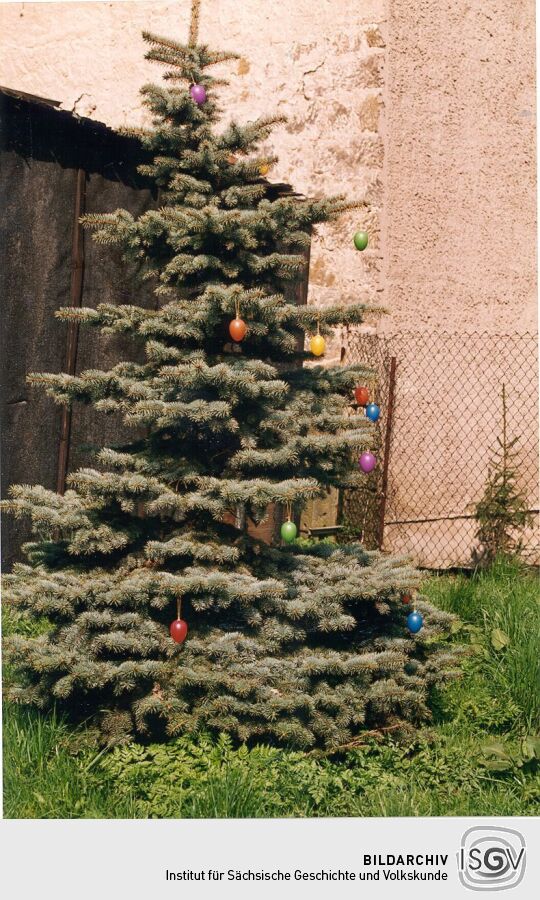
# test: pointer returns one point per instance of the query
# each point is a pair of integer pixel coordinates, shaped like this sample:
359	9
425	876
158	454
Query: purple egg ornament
367	461
198	93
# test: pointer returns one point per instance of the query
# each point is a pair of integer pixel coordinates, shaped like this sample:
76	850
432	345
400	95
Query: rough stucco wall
319	63
323	70
461	173
436	130
459	227
460	254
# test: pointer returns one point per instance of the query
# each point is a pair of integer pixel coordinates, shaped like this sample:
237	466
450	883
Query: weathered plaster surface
440	122
460	250
319	63
459	255
425	110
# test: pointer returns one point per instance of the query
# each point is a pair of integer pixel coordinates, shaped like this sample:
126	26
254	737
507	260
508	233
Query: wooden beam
72	342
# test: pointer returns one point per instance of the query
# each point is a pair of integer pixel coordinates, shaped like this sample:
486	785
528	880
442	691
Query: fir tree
299	645
502	513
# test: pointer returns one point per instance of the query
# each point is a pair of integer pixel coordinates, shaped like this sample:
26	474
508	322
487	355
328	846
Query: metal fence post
387	444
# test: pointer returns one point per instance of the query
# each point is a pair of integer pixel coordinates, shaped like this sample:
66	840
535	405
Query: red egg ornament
237	329
361	395
178	631
406	598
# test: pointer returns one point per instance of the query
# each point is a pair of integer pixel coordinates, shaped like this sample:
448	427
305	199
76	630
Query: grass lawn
479	756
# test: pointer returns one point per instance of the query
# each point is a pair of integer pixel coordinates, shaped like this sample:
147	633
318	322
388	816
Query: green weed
502	605
45	771
480	756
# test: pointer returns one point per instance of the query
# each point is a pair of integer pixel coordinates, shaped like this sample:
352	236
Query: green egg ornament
288	532
361	240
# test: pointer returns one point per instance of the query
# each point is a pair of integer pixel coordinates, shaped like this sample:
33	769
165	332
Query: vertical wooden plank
76	291
297	293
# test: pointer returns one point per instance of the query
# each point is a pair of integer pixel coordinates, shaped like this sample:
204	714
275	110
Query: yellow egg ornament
264	169
317	344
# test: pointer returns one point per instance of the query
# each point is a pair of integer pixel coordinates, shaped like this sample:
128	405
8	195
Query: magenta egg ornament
367	462
198	93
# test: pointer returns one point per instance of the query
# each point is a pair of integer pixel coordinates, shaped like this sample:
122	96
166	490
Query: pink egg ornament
198	93
367	462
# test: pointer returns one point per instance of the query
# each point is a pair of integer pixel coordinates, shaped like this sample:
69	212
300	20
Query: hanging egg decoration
317	345
237	329
360	240
288	531
198	94
264	169
372	412
367	461
406	598
178	630
361	395
414	622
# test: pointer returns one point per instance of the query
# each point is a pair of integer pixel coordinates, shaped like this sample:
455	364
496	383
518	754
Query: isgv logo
491	858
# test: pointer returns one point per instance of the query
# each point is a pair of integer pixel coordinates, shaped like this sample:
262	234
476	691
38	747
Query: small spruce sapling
502	513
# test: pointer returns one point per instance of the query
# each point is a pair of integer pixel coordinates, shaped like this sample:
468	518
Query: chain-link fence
441	415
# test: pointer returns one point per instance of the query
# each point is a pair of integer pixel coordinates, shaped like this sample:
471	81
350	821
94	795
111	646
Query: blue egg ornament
414	622
373	411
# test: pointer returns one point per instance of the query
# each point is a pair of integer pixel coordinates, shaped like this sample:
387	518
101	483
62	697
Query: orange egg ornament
317	345
361	395
237	329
